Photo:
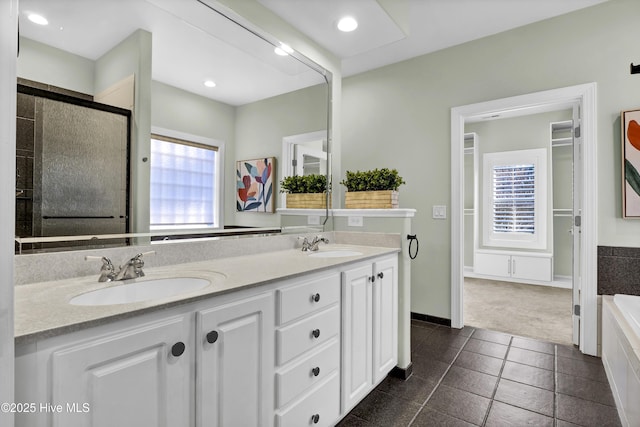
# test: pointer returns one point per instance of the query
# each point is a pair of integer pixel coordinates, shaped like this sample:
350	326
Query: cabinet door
531	268
126	379
357	304
492	264
235	357
385	317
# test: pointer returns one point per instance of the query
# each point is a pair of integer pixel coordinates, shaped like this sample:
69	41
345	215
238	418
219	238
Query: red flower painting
254	180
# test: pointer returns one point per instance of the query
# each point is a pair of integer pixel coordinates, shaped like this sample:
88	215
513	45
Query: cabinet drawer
301	336
299	377
320	408
305	298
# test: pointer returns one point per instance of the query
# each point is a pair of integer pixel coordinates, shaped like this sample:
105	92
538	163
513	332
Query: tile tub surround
34	268
479	377
618	270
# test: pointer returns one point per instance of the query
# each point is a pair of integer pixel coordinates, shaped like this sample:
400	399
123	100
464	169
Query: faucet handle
306	245
137	263
107	271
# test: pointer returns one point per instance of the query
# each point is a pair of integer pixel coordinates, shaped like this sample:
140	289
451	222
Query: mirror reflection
186	74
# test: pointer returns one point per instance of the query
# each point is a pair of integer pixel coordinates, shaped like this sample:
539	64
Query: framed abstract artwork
630	121
254	185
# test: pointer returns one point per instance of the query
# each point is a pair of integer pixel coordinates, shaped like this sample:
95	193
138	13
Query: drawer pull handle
315	418
381	275
315	297
212	337
315	333
315	371
177	349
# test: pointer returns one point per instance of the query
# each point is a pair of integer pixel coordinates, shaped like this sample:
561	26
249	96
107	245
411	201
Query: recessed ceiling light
347	24
283	49
38	19
209	83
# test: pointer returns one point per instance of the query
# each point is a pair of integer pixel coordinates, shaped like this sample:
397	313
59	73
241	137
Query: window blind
514	199
182	183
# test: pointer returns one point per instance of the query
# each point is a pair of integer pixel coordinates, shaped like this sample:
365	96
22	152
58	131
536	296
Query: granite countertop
42	310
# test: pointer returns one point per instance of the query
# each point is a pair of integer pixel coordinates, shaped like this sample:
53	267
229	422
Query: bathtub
621	353
629	305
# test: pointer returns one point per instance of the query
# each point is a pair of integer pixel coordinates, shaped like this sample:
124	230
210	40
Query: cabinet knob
177	349
315	418
315	333
315	297
316	371
381	275
212	337
372	279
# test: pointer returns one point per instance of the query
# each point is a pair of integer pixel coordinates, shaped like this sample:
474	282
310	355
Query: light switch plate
313	220
439	212
355	221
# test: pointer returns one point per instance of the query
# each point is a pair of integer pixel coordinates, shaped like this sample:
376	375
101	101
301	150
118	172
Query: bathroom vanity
284	338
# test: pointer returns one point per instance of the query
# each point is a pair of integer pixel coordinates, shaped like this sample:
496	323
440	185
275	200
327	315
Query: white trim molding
8	53
583	95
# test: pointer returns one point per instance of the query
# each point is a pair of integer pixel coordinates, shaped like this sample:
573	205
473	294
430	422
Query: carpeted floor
540	312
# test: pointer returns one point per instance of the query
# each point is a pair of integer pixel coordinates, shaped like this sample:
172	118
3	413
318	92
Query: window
515	195
185	183
514	198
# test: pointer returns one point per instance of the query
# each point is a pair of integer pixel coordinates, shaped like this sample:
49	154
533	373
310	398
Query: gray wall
399	116
63	69
182	111
260	127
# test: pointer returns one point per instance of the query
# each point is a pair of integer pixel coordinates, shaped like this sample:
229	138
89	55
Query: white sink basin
140	291
334	254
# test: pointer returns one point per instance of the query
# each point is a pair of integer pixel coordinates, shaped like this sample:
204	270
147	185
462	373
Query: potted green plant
305	192
372	189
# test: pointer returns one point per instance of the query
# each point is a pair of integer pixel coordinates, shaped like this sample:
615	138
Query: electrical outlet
313	220
355	221
439	212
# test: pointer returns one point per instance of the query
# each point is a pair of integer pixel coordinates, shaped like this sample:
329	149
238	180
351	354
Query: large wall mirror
194	76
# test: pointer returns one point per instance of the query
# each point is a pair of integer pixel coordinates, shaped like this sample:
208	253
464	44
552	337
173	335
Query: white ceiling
192	43
394	30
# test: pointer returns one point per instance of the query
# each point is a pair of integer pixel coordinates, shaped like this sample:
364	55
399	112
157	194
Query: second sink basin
339	253
140	291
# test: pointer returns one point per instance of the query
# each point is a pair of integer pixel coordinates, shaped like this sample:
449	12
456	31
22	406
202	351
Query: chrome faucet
313	245
133	268
107	271
130	270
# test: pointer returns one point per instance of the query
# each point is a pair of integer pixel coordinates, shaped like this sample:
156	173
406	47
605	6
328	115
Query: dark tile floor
467	377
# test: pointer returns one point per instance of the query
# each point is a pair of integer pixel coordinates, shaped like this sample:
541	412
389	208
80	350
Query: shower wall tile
618	270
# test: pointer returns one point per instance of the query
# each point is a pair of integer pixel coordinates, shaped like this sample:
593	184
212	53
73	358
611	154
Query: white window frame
218	207
536	240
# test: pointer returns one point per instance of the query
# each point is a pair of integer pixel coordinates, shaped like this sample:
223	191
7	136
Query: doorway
583	215
518	247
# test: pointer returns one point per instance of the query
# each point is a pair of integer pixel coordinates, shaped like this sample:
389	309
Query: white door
385	318
357	347
235	358
577	220
310	161
139	377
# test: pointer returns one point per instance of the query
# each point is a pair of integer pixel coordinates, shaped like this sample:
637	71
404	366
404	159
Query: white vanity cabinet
308	351
370	325
234	356
277	354
139	375
514	265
